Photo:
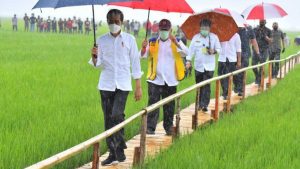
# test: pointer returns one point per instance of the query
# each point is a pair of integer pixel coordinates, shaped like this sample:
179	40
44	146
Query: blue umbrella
68	3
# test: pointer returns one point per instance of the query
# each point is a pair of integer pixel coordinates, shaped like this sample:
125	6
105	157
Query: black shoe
110	159
121	155
151	132
204	109
240	94
224	97
169	132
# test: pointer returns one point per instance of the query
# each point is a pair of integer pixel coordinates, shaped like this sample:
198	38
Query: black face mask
275	27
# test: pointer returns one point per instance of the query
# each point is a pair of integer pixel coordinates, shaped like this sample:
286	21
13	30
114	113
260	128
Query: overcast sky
19	7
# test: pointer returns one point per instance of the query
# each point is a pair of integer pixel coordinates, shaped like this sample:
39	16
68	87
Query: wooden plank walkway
155	143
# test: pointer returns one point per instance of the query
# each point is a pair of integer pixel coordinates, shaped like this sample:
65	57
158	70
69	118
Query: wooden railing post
176	129
285	67
244	84
262	81
215	113
269	84
140	152
96	156
280	70
195	116
289	65
228	103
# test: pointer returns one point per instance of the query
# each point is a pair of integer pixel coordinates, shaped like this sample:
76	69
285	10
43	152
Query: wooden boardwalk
159	141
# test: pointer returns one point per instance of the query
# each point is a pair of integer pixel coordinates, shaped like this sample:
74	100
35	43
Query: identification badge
204	51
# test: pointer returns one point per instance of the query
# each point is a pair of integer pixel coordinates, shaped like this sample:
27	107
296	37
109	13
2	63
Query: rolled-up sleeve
217	44
238	43
191	51
135	60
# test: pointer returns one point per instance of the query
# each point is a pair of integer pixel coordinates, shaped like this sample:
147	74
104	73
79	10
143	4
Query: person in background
14	21
247	36
204	47
155	29
229	60
65	25
48	24
60	25
164	54
132	26
26	22
87	26
38	22
70	25
136	28
41	25
117	53
75	25
180	35
276	48
54	25
80	26
32	22
148	27
264	38
286	40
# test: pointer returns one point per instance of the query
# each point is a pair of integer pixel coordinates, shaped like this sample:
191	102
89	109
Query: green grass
263	132
49	101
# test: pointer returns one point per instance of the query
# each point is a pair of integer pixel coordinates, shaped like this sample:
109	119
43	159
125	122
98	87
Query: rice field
49	101
263	132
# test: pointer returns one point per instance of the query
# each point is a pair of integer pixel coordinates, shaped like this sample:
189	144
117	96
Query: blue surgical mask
204	32
164	35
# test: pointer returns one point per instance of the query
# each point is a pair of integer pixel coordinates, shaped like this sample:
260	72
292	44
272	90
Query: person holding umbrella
247	36
116	54
276	46
165	70
264	39
229	60
204	46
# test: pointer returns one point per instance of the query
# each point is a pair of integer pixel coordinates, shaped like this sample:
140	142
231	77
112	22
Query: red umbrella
240	21
264	11
180	6
223	24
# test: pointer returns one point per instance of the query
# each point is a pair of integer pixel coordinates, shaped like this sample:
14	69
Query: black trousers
113	106
155	93
224	68
275	55
238	82
205	90
256	59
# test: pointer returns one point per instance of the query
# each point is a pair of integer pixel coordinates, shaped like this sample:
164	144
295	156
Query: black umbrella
68	3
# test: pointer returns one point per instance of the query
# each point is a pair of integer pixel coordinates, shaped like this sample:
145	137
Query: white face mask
114	28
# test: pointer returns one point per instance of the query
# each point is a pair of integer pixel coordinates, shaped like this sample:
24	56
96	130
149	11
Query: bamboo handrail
60	157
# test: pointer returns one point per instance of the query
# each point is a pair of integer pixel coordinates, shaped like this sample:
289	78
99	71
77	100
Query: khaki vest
153	58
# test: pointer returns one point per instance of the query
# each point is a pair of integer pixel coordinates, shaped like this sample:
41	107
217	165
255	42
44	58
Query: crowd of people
168	59
62	25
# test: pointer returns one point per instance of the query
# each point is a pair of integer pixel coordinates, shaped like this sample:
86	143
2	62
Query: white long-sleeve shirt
230	49
203	61
116	55
165	70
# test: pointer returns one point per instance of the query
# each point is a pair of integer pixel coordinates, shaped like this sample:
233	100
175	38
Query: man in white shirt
229	60
204	47
117	52
165	70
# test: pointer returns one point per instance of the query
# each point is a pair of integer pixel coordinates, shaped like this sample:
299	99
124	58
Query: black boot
121	155
110	160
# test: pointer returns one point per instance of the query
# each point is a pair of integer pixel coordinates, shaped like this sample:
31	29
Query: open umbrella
180	6
264	11
68	3
240	21
223	24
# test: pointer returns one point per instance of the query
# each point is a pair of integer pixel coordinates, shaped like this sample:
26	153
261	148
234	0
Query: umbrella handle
147	24
94	26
